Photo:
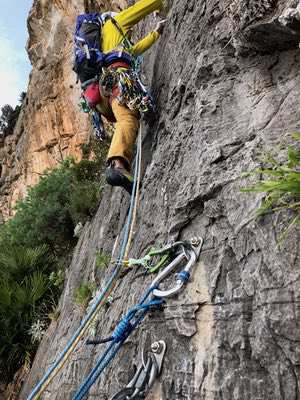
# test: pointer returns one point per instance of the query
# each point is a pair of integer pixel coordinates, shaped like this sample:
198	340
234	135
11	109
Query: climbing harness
133	93
147	372
123	79
189	251
105	293
125	84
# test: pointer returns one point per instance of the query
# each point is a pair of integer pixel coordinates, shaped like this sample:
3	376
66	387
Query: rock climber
111	96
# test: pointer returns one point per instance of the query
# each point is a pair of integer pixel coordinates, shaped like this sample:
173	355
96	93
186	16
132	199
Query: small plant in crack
84	293
281	183
102	259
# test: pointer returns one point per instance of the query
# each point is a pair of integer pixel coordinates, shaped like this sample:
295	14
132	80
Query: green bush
34	247
20	305
43	216
282	186
84	201
17	262
52	208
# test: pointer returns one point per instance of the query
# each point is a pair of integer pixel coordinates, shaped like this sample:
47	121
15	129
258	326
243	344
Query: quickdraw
147	372
164	255
190	251
154	260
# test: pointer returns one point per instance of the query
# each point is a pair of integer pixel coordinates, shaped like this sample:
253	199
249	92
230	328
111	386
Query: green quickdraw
156	258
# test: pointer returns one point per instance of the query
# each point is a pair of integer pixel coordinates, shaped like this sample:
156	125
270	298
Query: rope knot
122	330
184	276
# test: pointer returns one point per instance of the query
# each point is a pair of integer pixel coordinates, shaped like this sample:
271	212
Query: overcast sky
14	63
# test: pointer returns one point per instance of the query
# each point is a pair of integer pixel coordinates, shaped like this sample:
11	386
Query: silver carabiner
192	256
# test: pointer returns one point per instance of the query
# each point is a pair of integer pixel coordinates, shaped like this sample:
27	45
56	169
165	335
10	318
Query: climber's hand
160	26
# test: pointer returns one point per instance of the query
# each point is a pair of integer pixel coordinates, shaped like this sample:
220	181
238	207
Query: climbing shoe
119	177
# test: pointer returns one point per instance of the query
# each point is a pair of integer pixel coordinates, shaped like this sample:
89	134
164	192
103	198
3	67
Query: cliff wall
226	77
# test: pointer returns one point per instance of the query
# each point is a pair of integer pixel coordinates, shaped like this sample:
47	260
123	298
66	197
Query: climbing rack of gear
146	373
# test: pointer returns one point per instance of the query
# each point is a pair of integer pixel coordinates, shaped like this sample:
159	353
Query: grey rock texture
225	97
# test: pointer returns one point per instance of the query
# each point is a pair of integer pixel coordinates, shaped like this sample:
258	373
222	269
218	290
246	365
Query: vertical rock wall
226	75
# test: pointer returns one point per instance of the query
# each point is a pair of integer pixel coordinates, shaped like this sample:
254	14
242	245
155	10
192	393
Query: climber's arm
112	37
145	43
134	14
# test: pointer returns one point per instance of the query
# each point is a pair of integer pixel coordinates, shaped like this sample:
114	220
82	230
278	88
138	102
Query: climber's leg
126	129
121	150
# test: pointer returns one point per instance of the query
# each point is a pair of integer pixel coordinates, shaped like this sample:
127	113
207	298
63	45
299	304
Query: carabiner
191	254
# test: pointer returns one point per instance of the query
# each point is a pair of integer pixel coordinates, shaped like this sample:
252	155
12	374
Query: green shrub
57	278
8	119
34	247
54	313
87	171
97	150
52	208
282	187
43	216
17	262
20	306
84	201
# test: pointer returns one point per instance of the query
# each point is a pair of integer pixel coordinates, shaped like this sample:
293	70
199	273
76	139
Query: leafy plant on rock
281	184
102	259
84	293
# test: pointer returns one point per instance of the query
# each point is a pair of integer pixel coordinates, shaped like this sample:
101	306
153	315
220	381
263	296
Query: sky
14	62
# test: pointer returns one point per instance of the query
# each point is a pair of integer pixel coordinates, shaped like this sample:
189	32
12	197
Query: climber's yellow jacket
112	38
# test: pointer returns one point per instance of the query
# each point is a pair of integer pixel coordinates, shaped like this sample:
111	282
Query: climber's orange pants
126	129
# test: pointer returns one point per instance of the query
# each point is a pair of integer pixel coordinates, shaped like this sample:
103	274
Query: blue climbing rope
123	330
58	364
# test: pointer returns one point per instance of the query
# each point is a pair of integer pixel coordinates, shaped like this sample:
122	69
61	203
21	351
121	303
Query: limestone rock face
224	99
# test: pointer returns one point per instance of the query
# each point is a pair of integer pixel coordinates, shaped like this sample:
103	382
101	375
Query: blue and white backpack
89	58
